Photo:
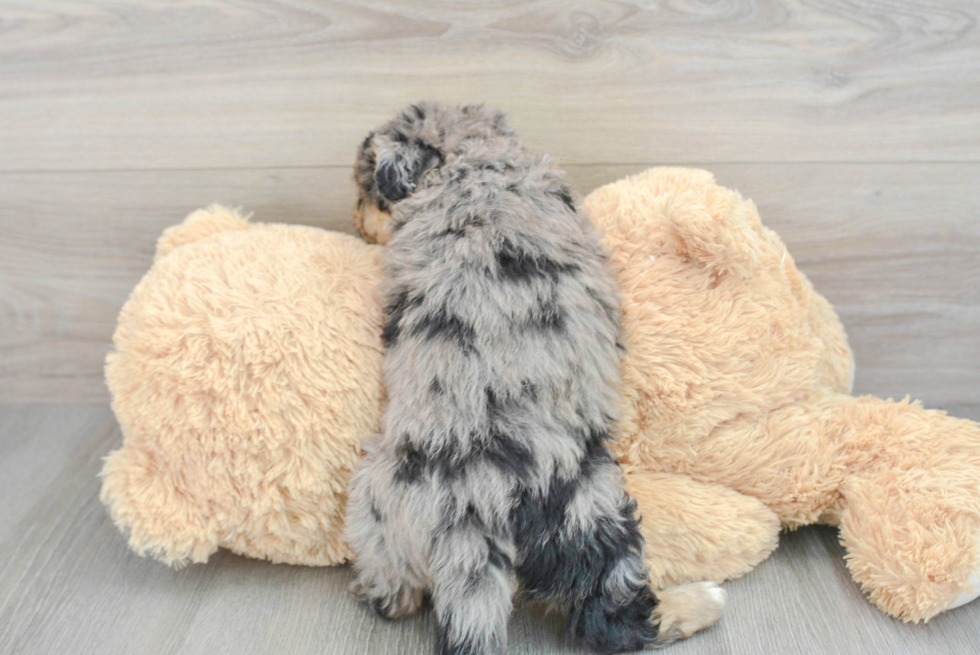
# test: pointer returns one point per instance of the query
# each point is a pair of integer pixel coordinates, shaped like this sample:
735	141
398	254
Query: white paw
687	608
972	591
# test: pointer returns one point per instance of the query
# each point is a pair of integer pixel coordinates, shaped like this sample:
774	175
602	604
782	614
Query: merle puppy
502	371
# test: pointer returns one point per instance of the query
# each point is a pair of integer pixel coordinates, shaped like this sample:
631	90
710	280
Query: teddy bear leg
699	531
910	545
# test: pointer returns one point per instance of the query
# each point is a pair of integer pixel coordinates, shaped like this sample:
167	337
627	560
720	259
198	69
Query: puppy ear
400	165
494	118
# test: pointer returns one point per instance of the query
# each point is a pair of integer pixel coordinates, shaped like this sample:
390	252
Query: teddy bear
246	373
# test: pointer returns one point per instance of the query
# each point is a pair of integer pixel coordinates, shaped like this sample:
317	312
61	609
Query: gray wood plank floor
69	585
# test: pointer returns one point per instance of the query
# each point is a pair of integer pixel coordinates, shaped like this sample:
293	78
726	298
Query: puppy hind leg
613	612
382	576
472	591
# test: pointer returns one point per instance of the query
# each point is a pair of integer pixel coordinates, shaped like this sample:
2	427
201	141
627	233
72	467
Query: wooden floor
68	584
854	124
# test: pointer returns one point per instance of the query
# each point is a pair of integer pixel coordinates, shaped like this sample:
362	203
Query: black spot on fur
596	455
549	317
395	311
557	563
455	232
470	519
412	464
565	195
496	557
506	454
495	406
544	554
445	325
376	513
495	449
435	387
516	265
450	461
504	404
595	441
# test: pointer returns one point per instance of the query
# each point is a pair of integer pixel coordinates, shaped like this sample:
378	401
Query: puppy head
393	160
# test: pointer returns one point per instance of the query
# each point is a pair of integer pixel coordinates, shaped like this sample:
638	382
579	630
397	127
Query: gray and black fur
502	372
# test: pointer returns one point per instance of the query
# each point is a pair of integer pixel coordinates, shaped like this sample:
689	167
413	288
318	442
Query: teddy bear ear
198	225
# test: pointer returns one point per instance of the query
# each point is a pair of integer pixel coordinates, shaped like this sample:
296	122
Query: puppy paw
683	610
404	602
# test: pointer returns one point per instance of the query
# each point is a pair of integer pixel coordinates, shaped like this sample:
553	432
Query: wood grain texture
233	83
69	585
73	246
895	247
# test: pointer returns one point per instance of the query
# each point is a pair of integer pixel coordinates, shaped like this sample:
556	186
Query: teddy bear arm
699	531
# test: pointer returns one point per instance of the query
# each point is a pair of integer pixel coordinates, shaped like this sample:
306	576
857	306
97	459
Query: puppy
502	370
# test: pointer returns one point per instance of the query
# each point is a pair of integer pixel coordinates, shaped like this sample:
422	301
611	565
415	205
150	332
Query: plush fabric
247	372
738	417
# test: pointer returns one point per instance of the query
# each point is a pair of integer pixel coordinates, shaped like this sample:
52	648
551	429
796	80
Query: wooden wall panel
223	83
895	247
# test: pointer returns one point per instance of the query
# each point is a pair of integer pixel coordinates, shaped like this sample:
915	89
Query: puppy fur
502	370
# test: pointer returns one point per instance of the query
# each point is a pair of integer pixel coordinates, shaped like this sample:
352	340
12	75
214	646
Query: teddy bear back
718	321
246	372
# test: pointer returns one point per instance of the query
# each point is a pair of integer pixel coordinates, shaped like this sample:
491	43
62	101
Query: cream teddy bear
246	372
